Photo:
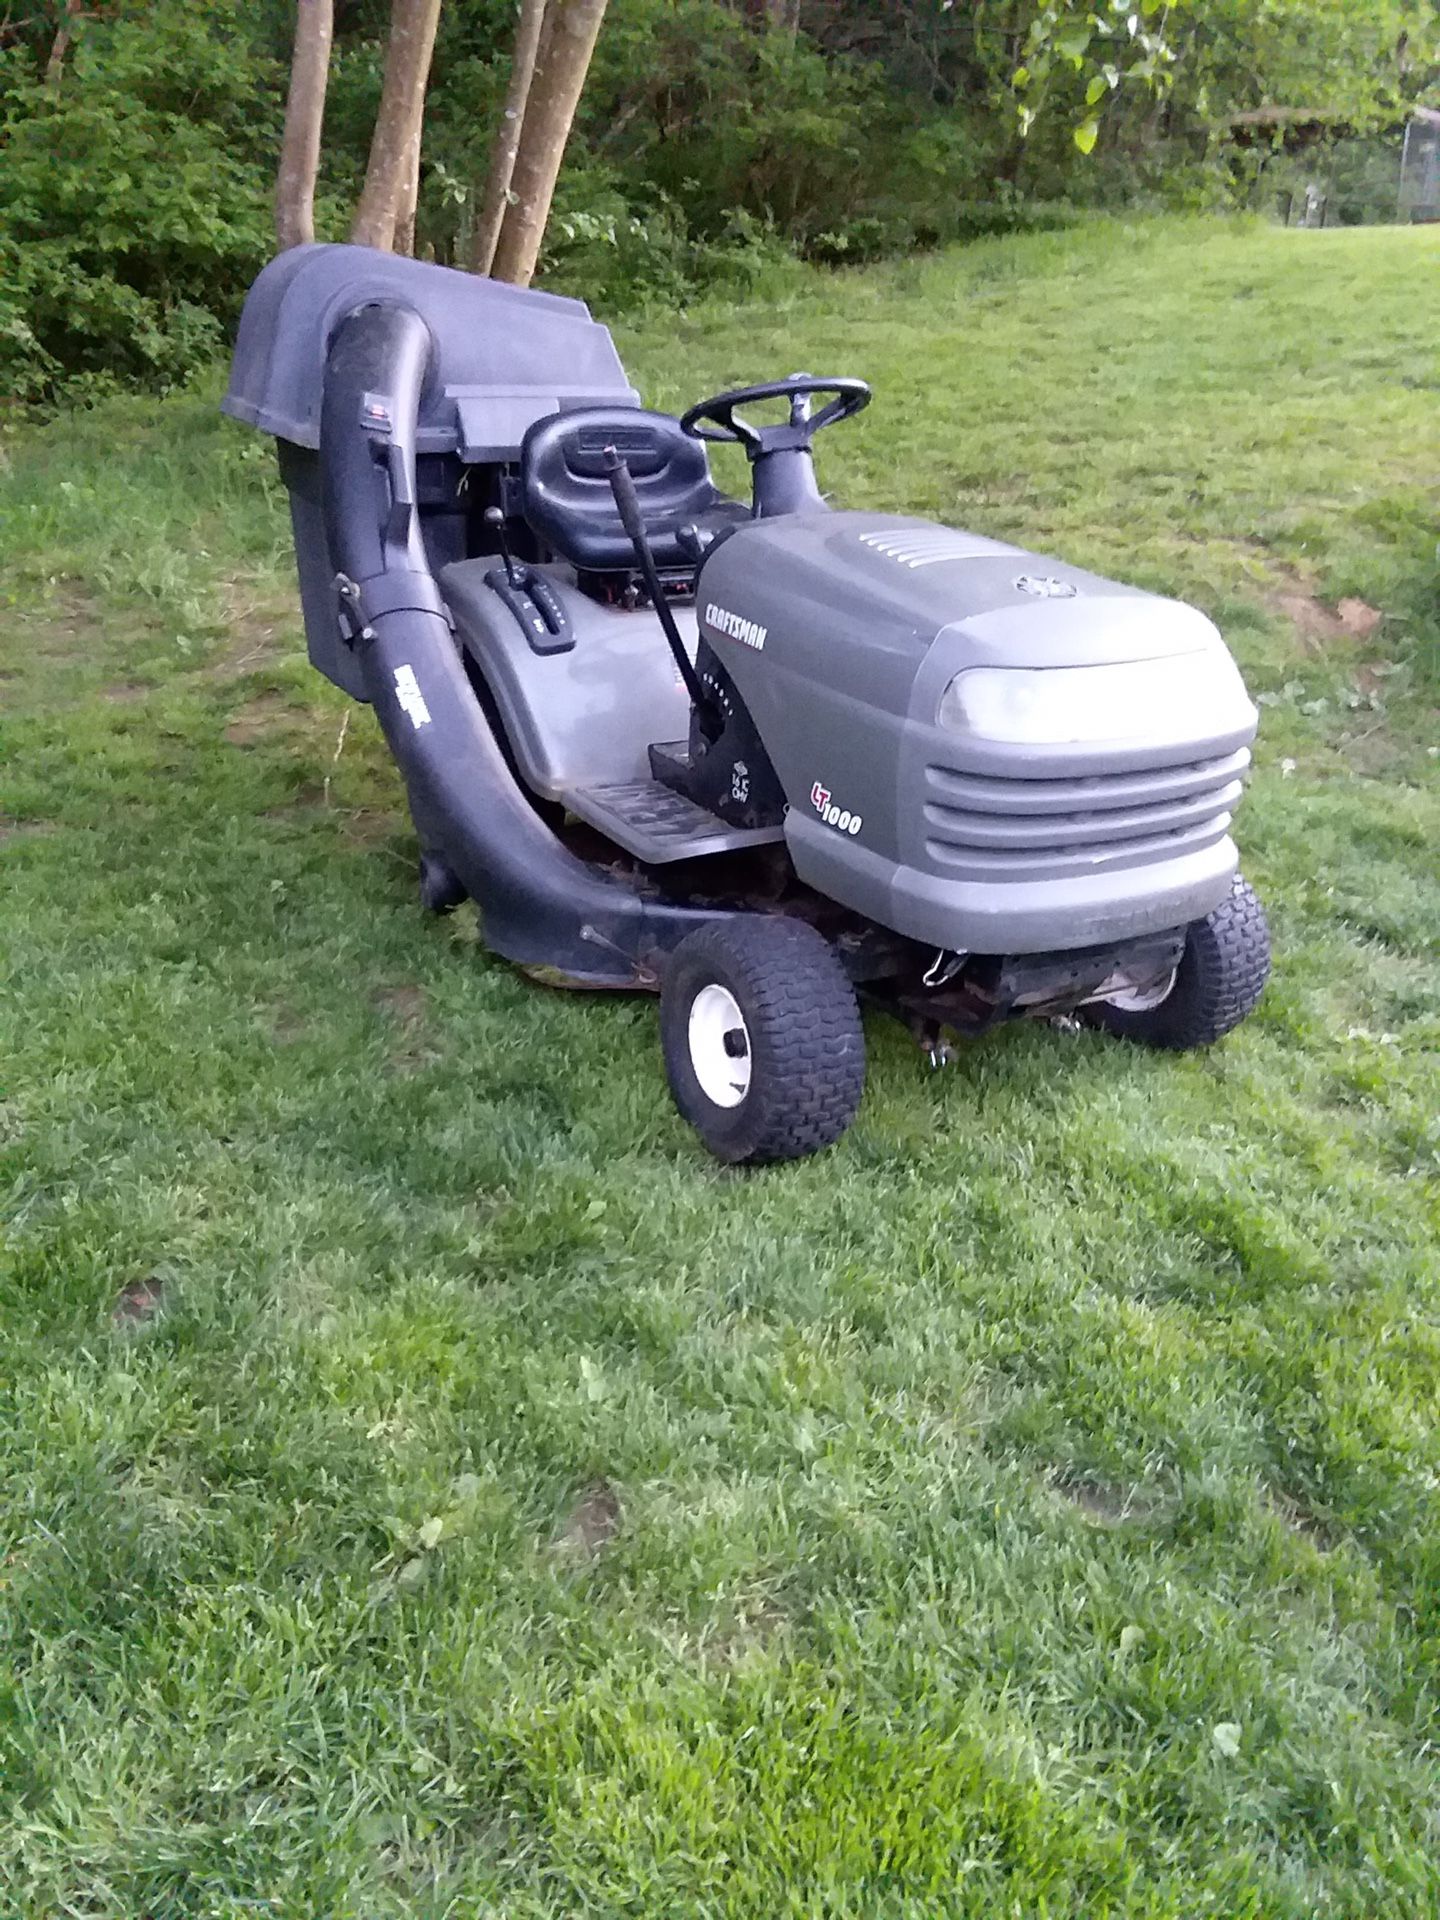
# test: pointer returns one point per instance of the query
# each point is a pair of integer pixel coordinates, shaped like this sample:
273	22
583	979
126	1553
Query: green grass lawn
432	1487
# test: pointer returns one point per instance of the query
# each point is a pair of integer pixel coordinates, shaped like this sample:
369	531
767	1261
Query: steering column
781	458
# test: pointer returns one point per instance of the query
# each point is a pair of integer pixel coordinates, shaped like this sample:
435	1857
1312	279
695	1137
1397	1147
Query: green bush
705	148
135	194
134	201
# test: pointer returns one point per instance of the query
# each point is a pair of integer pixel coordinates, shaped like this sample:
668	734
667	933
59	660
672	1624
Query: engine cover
981	748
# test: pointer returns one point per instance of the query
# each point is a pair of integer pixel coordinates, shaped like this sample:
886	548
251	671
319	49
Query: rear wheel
762	1039
1217	984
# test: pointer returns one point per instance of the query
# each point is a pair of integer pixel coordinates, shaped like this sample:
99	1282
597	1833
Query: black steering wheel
715	419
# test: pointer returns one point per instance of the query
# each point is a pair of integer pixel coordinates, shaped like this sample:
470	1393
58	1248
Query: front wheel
762	1039
1217	984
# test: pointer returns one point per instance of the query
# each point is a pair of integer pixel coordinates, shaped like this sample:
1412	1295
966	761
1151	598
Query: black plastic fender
540	906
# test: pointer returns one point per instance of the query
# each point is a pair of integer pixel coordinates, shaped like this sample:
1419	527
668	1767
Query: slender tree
60	45
571	29
409	196
496	195
304	116
397	124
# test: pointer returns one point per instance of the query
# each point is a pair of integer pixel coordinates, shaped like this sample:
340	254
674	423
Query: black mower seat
566	497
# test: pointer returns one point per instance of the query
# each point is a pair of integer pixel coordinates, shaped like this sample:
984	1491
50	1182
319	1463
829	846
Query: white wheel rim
719	1046
1142	999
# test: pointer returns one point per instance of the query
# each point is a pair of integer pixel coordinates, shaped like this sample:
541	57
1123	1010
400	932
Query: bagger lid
504	356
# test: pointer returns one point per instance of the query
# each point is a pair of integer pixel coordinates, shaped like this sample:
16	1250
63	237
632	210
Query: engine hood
981	747
909	580
887	611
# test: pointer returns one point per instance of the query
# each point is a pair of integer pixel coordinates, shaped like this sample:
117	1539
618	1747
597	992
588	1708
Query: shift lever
495	520
528	594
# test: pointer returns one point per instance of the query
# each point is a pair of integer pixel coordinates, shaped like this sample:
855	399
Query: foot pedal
658	825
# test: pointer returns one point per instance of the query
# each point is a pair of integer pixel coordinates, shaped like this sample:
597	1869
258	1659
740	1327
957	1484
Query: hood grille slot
983	827
928	546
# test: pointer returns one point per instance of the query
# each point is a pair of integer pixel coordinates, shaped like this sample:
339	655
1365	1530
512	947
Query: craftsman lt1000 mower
754	755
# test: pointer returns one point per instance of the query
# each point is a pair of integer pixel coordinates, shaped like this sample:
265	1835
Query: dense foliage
139	150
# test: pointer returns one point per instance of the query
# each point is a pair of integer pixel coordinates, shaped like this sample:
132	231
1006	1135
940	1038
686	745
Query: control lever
495	520
628	507
529	597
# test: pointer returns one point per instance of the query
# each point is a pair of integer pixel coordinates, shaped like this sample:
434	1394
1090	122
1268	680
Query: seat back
565	489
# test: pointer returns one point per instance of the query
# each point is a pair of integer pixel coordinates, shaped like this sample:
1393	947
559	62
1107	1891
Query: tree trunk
409	196
496	196
571	29
398	123
60	45
304	114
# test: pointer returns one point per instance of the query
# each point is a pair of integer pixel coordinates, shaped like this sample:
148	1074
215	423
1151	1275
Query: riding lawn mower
768	758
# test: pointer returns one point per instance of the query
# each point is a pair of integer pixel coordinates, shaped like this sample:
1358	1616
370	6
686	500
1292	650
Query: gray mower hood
892	611
980	746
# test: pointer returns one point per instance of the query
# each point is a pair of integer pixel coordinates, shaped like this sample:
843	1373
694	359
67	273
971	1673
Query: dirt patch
67	629
250	652
405	1005
24	829
261	618
368	826
139	1302
1372	678
1375	752
1318	626
592	1522
74	613
1358	619
250	724
284	1026
1105	1504
308	799
361	826
755	1628
1299	1520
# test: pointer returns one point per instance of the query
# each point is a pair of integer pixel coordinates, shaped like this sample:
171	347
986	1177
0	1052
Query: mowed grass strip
432	1487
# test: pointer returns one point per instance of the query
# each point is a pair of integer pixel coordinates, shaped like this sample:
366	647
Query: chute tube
541	906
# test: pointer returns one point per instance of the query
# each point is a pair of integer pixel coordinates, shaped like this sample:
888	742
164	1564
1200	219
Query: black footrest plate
657	824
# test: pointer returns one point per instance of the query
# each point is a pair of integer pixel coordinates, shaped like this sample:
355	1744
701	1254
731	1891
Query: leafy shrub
134	202
135	196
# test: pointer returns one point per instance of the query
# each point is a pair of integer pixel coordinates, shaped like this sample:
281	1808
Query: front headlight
1188	695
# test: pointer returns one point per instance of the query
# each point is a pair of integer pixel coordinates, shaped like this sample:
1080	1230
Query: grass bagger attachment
759	756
